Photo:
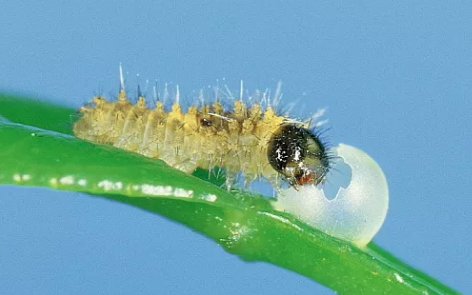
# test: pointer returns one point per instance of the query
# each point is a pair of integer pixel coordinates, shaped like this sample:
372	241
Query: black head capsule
298	155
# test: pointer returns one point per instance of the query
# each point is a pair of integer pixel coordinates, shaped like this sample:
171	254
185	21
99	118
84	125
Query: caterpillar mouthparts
246	138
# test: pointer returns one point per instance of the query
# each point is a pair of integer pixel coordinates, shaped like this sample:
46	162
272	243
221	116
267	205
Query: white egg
357	210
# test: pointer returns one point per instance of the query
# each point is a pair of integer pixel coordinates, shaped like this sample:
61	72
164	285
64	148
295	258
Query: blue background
396	78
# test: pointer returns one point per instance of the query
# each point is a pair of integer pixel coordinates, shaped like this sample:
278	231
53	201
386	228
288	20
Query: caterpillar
247	138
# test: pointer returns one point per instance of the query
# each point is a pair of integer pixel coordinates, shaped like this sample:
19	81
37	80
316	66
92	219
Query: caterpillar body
248	138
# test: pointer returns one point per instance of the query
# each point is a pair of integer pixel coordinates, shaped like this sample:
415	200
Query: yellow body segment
208	137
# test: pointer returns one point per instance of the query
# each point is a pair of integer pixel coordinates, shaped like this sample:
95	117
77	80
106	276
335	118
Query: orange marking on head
305	179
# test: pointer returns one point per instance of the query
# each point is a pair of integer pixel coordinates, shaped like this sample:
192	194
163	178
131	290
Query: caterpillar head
298	155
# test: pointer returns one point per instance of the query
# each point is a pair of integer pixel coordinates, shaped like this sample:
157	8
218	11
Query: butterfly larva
250	139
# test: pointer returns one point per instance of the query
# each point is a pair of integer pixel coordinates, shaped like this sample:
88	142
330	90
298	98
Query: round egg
351	204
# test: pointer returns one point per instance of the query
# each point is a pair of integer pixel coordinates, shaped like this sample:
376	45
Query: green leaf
34	153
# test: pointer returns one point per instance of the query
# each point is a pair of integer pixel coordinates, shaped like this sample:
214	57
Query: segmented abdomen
208	137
